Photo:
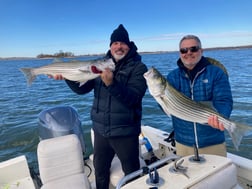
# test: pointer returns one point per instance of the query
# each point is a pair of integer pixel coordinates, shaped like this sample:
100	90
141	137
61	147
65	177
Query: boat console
210	171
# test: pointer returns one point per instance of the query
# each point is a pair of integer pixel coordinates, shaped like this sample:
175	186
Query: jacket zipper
192	97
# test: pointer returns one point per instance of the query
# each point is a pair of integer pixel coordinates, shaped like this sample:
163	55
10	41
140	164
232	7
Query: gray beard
118	57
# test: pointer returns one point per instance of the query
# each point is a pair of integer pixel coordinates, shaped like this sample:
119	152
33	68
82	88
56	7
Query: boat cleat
178	168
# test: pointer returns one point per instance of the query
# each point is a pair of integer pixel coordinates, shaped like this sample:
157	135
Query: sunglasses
192	49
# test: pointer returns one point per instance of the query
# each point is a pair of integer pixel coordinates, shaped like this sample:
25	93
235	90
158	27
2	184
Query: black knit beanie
120	34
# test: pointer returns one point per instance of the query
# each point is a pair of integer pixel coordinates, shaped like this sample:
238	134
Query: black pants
127	150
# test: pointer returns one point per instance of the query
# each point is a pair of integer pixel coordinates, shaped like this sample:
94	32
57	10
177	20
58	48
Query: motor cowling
60	121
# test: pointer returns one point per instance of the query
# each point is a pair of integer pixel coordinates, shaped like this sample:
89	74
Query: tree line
60	54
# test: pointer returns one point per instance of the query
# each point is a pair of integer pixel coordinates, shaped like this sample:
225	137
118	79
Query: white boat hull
215	172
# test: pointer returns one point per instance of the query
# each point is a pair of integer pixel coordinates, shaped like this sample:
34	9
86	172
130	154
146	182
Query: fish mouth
146	74
95	70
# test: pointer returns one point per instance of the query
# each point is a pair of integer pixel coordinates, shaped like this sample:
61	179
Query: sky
33	27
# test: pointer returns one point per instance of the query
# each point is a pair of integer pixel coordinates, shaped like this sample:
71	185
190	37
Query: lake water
20	105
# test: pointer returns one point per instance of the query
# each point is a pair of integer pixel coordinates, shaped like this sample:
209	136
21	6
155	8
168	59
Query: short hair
190	37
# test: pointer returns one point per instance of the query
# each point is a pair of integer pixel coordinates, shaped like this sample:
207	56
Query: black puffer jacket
117	109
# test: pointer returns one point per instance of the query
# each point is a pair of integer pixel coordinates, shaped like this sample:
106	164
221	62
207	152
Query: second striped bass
177	104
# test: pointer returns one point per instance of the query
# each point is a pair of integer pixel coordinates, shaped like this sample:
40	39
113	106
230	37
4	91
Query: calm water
20	105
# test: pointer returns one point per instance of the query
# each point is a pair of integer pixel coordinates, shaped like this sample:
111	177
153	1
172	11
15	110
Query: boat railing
145	170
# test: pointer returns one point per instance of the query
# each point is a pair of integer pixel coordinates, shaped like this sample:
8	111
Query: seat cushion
78	181
60	157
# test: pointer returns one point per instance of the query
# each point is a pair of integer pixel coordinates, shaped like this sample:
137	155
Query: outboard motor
60	121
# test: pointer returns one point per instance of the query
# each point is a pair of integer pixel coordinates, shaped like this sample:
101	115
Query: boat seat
116	172
61	163
15	173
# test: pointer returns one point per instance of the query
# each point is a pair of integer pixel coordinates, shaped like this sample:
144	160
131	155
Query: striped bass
177	104
80	71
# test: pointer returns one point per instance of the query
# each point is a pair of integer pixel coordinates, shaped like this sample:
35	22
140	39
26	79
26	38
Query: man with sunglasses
201	81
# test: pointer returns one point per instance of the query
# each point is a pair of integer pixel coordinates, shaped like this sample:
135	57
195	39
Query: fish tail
237	132
30	77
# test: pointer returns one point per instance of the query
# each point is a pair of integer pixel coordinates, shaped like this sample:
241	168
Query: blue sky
32	27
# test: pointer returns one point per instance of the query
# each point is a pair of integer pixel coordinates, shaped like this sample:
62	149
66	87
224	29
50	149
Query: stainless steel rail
144	170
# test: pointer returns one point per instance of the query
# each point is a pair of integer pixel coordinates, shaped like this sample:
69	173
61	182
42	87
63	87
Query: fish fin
57	60
237	131
84	69
82	83
30	77
208	104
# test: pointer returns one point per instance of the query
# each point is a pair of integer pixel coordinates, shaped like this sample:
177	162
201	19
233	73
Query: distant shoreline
145	52
205	49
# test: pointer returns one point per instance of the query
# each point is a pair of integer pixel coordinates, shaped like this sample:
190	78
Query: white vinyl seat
61	163
14	173
116	172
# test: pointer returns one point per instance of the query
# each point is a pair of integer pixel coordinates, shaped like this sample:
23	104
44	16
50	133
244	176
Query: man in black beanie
120	34
117	108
